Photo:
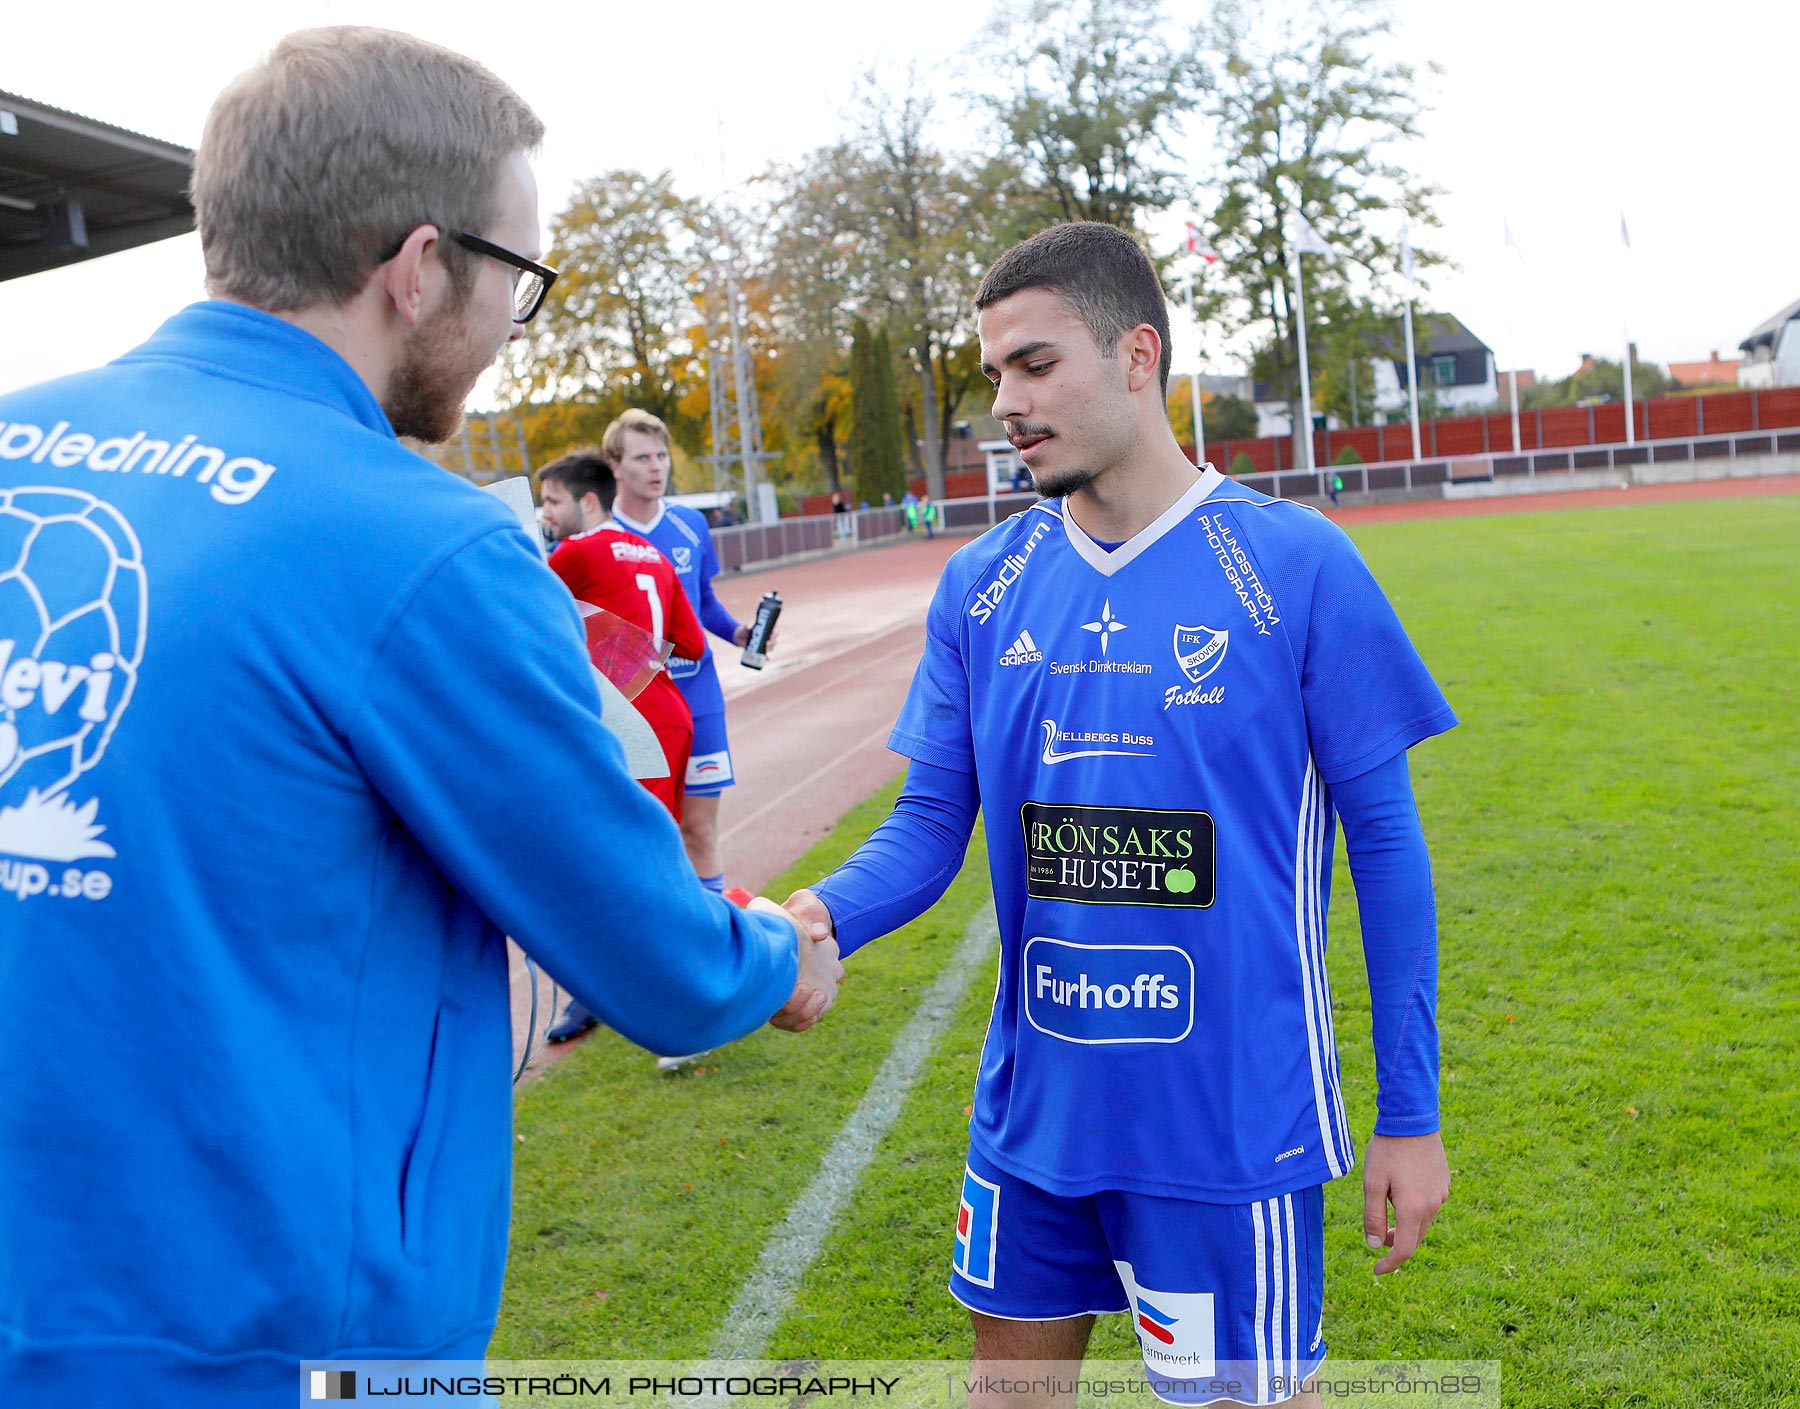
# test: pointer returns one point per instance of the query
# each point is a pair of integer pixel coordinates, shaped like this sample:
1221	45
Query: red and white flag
1196	244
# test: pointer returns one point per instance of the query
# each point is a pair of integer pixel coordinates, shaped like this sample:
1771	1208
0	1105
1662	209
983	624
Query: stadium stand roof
72	188
1767	333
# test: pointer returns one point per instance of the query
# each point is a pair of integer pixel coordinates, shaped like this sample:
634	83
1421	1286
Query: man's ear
1142	351
591	507
404	278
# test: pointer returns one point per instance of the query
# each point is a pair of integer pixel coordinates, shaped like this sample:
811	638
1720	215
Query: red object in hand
622	651
739	897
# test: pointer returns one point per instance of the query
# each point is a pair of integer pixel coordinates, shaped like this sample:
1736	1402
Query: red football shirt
611	568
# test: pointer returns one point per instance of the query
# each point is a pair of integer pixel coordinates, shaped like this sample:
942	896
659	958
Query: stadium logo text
231	479
1118	855
1108	994
1011	566
1240	572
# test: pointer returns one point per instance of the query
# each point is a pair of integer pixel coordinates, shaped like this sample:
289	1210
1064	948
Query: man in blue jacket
279	768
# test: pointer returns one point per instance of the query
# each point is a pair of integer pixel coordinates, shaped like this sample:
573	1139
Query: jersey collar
1105	563
249	345
642	530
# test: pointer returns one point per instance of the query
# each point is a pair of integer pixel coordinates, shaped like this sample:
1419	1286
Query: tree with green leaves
1089	95
1304	113
620	329
932	224
1226	417
886	224
877	442
1598	379
817	272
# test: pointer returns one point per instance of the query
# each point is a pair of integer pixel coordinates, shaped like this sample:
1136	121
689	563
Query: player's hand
820	972
1412	1174
810	911
742	637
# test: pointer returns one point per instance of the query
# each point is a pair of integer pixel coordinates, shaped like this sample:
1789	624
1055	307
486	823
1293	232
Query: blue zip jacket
294	726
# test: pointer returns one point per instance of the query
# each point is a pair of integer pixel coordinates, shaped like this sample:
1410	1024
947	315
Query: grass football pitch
1614	835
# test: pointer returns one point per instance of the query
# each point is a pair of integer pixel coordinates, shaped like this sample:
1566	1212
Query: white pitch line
765	1298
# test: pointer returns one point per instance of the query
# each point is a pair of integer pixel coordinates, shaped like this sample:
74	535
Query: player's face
458	339
562	515
643	468
1065	406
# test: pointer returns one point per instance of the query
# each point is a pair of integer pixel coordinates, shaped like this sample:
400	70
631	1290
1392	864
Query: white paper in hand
515	493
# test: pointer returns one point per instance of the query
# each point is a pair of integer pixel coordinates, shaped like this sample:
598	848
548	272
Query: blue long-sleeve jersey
1157	735
910	859
681	535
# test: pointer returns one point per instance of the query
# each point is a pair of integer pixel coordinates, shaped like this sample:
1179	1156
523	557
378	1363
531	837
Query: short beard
426	392
1061	485
1049	484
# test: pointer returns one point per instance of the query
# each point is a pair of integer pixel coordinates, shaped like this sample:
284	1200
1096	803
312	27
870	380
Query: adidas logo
1022	651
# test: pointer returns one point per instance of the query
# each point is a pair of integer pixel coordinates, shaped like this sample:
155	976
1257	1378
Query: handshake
820	971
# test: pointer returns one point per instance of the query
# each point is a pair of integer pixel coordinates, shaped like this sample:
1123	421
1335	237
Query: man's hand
741	637
820	972
1412	1174
810	911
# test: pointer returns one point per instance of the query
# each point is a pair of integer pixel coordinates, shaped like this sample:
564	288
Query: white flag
1624	231
1308	240
1511	243
1406	254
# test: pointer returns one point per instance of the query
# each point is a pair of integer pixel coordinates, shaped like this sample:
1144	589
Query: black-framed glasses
530	285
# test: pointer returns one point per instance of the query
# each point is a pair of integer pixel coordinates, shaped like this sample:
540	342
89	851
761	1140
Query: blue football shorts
1227	1300
709	765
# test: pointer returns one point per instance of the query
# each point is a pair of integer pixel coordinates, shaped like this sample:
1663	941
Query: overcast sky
1553	114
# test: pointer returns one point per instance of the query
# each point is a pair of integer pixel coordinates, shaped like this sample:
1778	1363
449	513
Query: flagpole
1305	437
1410	274
1512	339
1194	380
1625	328
1412	380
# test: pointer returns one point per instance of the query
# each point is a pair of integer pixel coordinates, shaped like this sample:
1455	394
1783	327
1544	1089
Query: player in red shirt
606	566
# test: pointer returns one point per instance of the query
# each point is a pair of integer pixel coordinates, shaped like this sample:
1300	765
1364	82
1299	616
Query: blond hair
612	444
316	163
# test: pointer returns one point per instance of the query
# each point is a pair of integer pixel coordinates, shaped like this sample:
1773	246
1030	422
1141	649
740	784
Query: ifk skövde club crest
1199	650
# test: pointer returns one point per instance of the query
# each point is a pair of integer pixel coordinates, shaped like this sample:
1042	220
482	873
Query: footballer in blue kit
636	445
1162	690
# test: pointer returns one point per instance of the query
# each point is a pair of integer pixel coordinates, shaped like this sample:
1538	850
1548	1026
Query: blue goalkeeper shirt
1156	732
681	535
